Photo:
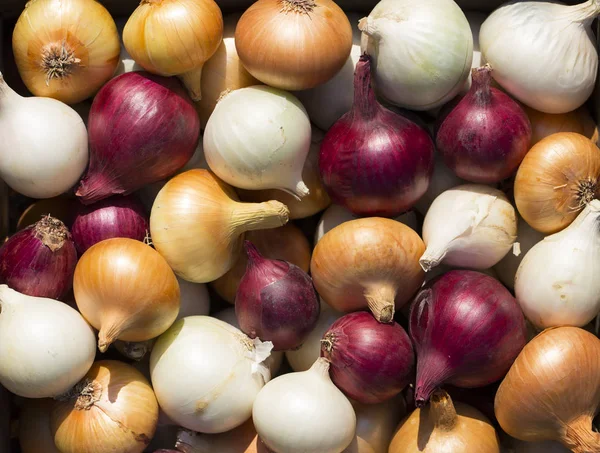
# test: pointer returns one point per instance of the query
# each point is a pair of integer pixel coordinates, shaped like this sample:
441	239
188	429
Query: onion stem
298	6
261	216
381	302
579	436
442	412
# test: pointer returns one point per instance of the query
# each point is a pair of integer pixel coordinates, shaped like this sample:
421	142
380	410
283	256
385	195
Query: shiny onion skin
115	217
373	161
39	260
142	129
467	330
370	362
486	135
276	301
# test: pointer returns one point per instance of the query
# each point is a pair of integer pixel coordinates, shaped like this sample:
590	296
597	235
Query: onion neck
298	6
192	81
58	60
6	92
579	436
584	13
320	367
588	220
51	232
86	393
108	335
482	79
432	257
259	216
381	302
442	412
365	103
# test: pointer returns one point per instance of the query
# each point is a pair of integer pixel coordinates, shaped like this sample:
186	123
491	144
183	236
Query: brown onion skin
370	361
39	260
142	129
486	135
114	217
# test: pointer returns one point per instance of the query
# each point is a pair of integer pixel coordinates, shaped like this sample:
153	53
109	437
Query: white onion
304	412
258	138
44	146
195	300
327	103
543	53
46	347
557	282
443	179
206	373
471	226
421	49
335	215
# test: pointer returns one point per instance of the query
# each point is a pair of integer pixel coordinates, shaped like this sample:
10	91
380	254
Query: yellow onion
293	44
34	427
223	72
444	426
545	124
370	262
126	290
314	202
559	176
175	37
65	49
112	409
552	391
198	224
286	243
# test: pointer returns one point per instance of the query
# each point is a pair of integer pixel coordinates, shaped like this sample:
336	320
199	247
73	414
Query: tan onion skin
119	415
286	243
444	426
370	262
293	44
126	290
552	391
197	224
34	427
545	124
81	29
556	180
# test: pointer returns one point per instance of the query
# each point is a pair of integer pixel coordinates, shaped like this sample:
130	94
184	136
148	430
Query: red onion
486	135
39	260
373	161
142	128
276	301
115	217
467	330
370	362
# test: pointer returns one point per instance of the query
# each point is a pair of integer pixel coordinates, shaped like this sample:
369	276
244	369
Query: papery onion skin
39	260
373	161
467	330
559	176
486	135
552	391
544	124
142	128
113	408
276	301
115	217
370	362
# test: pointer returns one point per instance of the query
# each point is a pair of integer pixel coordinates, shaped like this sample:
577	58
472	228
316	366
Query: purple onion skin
39	260
142	129
373	161
371	362
114	217
467	330
486	135
276	301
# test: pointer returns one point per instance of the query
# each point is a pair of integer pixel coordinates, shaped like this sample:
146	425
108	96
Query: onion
557	179
304	413
442	179
432	65
113	408
197	224
115	217
369	361
544	124
467	330
276	301
45	345
472	226
286	243
34	427
486	135
126	290
373	161
267	145
445	426
302	43
242	439
336	215
206	374
61	208
371	262
39	260
142	128
552	391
